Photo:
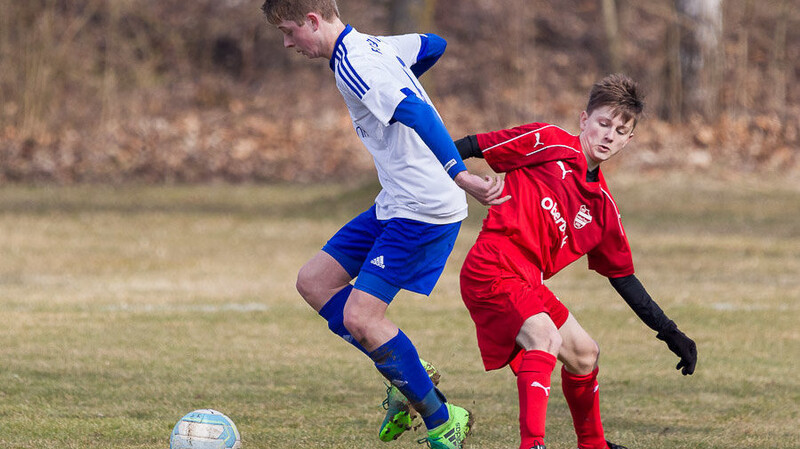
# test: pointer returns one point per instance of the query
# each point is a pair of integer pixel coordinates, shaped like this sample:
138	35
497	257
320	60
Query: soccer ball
205	429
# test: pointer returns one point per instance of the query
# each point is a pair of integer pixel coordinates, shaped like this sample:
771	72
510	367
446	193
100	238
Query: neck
591	164
330	33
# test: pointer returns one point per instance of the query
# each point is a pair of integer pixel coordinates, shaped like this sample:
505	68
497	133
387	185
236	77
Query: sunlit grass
124	308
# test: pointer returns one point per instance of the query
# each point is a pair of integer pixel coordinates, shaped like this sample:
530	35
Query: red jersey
554	215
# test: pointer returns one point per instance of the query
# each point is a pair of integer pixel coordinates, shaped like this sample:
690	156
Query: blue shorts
394	254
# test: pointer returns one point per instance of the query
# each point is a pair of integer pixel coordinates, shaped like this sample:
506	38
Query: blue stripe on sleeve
347	78
359	81
348	73
420	116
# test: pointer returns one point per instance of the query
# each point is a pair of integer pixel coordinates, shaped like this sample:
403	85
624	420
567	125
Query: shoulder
358	59
403	42
367	56
557	134
365	46
560	143
611	203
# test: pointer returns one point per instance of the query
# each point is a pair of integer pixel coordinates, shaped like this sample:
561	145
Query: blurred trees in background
410	16
174	91
700	58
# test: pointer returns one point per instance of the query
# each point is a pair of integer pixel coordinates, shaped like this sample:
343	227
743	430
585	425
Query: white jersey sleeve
407	46
379	73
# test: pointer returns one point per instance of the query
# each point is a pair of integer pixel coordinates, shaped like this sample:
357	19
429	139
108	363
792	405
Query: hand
683	346
487	190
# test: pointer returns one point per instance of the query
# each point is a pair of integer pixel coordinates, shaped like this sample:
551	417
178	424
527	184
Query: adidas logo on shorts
378	262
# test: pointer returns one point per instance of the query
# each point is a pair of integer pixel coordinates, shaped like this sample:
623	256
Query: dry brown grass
124	308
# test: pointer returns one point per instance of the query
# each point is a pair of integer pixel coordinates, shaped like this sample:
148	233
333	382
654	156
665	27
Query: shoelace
427	442
385	403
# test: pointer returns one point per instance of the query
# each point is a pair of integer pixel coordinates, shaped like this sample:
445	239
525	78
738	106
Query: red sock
533	383
583	399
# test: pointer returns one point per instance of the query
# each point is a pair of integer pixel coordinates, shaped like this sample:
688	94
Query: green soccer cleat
399	414
398	417
450	435
614	446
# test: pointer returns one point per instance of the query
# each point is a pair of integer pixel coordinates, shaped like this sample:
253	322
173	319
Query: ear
627	139
584	118
313	19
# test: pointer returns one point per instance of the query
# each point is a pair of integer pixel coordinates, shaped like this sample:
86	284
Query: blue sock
333	312
398	361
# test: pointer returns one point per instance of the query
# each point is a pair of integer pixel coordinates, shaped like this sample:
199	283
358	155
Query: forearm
420	116
634	293
468	147
648	311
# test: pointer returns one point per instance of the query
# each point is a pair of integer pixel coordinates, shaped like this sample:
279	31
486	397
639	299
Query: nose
609	135
287	42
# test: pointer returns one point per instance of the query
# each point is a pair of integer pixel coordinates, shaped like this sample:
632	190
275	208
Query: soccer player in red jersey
560	209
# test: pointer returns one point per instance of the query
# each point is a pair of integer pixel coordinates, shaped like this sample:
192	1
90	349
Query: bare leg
320	278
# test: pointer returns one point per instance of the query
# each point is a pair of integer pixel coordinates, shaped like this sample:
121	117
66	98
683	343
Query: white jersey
373	74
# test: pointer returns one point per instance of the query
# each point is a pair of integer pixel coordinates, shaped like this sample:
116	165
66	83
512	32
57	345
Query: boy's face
603	135
303	38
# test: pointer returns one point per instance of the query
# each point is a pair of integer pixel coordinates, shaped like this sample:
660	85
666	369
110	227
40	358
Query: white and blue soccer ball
205	429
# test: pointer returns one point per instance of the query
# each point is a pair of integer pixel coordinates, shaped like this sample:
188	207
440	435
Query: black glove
682	346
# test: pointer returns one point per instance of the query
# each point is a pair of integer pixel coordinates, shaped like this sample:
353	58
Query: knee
540	338
553	342
585	360
305	282
353	322
315	289
319	279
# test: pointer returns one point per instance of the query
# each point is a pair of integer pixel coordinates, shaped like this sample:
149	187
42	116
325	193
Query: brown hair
620	93
276	11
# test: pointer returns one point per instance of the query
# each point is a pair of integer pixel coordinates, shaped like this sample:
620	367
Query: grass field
125	308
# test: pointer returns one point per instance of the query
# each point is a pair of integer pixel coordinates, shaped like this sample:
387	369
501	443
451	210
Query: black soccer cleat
614	446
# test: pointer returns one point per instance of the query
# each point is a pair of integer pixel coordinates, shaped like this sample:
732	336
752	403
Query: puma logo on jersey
378	262
538	142
538	385
583	218
564	170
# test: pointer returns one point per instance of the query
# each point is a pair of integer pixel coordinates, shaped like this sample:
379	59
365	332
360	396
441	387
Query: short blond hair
276	11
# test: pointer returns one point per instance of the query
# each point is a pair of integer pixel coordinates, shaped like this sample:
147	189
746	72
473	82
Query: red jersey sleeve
526	145
612	257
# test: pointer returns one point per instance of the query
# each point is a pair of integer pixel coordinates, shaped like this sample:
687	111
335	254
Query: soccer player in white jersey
404	239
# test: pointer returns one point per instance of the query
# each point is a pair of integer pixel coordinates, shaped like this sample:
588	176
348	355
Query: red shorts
502	288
